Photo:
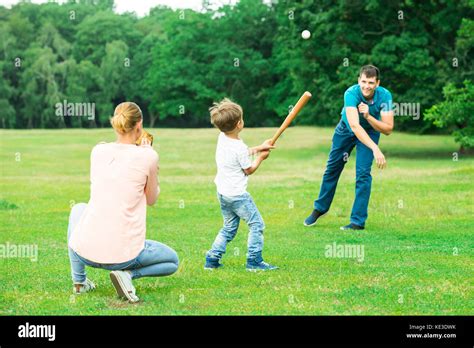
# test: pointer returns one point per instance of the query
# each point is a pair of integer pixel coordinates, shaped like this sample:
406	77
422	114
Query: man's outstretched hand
379	158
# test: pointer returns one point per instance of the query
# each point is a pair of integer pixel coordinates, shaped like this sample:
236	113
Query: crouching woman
109	231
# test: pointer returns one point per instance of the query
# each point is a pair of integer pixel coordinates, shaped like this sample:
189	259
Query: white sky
141	7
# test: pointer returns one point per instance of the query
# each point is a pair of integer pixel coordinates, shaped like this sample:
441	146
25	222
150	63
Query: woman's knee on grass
167	255
174	260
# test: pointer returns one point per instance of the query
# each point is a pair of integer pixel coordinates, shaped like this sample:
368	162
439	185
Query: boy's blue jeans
233	209
343	142
155	260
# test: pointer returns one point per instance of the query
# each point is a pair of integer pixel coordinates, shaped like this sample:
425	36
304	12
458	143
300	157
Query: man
367	112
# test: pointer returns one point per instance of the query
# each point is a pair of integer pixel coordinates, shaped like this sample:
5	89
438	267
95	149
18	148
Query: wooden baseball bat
291	116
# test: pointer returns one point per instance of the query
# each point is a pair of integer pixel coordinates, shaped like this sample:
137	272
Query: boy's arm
265	146
256	163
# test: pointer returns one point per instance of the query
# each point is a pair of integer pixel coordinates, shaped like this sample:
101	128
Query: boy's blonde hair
225	115
126	116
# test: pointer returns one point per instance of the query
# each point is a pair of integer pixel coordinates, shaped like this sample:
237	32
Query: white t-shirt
232	157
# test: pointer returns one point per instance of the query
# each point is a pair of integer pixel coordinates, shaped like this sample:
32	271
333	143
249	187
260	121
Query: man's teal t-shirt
382	101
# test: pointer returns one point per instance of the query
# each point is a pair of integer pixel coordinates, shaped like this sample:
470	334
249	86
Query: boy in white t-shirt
233	168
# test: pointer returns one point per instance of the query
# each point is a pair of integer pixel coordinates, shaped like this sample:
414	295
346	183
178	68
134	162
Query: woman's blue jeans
155	260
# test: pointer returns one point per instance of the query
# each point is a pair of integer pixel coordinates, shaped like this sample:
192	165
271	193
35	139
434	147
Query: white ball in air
305	34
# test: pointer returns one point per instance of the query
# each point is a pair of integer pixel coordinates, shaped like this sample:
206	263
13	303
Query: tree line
175	63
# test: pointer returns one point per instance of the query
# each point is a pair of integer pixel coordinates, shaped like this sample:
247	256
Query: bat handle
281	129
274	139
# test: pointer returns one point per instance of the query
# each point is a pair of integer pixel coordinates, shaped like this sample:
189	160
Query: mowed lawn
418	245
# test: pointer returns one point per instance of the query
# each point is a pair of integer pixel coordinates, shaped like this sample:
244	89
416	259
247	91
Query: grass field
418	245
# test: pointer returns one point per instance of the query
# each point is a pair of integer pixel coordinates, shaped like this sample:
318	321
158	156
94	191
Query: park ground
418	245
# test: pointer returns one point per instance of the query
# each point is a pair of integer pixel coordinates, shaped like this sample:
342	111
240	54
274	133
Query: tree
175	63
465	48
113	72
456	113
8	112
139	84
96	31
81	83
40	89
50	37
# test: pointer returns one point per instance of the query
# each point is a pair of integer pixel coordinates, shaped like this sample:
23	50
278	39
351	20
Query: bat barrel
291	116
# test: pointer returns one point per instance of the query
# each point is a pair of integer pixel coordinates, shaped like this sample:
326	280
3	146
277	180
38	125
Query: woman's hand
145	142
144	139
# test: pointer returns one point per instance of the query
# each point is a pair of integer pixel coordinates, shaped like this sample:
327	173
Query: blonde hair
126	116
225	115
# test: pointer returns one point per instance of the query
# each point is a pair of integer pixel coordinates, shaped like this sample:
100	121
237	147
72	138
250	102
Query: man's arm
384	126
352	115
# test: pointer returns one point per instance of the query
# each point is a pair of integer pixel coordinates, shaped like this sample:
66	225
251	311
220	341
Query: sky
141	7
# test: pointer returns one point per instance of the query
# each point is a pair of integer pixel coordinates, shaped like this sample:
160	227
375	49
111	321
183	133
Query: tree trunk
466	150
153	120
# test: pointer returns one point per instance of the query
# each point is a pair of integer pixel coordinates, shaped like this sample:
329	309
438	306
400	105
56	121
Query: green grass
418	243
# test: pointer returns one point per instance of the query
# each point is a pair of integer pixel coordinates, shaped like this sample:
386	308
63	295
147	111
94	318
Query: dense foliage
175	63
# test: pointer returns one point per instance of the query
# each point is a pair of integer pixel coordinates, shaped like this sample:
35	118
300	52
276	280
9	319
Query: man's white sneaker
122	281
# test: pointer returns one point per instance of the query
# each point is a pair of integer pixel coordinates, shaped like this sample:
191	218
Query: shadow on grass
425	154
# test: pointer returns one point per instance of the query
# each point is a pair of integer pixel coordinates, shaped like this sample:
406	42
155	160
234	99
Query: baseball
305	34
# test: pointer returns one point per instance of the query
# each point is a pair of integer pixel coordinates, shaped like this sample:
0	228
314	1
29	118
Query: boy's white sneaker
122	282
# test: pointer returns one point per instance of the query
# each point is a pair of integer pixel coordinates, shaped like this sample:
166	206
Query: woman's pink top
112	228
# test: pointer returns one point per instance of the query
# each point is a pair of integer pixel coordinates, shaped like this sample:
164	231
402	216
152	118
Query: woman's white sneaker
122	281
80	288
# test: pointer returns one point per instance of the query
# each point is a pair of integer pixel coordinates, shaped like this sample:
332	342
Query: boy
233	167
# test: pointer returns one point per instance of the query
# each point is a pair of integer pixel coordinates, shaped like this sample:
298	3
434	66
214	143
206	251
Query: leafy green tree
81	83
139	84
240	46
455	112
40	89
94	32
176	79
215	63
175	63
113	71
8	112
50	37
465	48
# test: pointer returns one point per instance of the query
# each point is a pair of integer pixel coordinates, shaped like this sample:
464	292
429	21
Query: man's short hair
370	71
225	115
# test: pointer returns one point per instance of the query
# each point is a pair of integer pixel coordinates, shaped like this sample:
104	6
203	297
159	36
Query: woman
109	231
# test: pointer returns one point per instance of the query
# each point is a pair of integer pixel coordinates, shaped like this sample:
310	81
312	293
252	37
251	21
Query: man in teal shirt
367	112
